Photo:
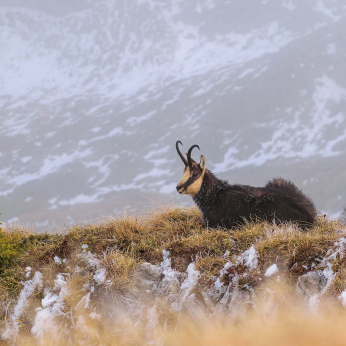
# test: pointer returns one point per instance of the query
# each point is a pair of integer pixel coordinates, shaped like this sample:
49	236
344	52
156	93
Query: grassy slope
123	243
178	230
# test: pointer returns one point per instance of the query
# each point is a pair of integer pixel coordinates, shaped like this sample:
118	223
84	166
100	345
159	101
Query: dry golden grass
121	244
296	327
121	270
289	325
179	230
176	229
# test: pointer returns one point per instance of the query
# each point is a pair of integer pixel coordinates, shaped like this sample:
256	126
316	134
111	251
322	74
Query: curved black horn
189	154
179	152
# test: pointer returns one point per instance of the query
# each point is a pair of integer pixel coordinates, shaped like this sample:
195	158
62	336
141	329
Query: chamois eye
195	174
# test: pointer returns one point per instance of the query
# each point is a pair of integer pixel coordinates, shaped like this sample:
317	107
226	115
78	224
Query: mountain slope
95	94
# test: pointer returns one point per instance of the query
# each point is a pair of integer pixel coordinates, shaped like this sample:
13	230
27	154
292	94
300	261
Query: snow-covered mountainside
94	94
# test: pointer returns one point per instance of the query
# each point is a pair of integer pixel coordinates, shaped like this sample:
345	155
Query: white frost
170	275
218	284
152	322
329	275
332	256
249	258
342	297
273	269
29	287
100	275
93	262
57	260
340	250
190	282
314	302
95	316
53	305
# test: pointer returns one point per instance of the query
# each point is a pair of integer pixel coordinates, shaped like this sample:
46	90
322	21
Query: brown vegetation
121	244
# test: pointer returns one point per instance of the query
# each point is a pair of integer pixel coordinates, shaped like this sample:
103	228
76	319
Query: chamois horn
189	154
180	154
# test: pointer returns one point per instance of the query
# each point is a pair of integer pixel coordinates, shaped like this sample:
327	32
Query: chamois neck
210	185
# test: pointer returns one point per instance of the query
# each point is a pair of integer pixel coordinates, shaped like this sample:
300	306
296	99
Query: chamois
225	205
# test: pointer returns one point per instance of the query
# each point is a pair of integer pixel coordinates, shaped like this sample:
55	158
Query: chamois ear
202	163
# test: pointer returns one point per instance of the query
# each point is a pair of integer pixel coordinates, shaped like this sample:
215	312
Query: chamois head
192	179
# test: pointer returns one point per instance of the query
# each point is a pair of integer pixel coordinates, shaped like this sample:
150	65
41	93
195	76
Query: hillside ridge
164	256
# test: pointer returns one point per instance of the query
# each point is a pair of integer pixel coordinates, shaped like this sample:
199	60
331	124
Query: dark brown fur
225	205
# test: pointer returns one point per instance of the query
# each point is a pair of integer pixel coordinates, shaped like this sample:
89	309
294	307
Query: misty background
95	93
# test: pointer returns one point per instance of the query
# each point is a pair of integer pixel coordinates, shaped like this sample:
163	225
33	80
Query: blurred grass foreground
164	279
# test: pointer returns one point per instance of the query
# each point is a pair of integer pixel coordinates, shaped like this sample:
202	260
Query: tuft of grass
8	252
121	271
178	230
21	248
209	266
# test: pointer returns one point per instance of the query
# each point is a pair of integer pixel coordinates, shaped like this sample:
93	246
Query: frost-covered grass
271	326
84	276
130	240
